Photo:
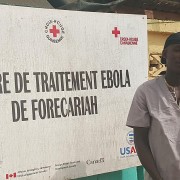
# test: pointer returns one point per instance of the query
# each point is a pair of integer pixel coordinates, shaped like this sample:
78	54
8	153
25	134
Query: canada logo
124	40
9	176
54	31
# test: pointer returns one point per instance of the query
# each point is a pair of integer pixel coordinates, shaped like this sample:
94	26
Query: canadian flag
10	175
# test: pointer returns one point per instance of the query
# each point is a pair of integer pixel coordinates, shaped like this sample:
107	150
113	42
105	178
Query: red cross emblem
54	31
116	32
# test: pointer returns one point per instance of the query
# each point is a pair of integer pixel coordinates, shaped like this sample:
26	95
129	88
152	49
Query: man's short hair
172	39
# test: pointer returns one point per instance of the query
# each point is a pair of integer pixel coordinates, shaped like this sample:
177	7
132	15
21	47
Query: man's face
172	55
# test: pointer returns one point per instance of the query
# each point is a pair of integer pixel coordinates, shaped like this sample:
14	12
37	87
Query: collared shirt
153	106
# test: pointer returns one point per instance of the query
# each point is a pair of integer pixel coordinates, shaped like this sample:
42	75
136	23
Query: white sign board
66	84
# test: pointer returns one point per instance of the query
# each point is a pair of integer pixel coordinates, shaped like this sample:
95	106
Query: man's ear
164	53
163	57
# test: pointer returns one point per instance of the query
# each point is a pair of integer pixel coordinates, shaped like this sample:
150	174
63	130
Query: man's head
171	53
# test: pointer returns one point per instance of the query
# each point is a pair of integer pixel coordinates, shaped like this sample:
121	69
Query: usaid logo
130	150
130	138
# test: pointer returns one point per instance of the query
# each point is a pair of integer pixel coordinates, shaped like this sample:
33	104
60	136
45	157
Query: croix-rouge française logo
122	39
116	32
54	31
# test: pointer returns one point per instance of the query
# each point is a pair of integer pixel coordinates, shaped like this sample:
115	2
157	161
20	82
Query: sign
66	84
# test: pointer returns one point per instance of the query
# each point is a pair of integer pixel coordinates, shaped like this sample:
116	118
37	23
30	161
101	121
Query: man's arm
144	152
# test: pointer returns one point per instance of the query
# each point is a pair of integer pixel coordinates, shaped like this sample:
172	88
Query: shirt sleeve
138	114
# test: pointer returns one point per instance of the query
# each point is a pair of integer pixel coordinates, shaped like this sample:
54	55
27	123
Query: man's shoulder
150	85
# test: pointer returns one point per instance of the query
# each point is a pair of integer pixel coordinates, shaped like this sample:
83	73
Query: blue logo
130	138
129	150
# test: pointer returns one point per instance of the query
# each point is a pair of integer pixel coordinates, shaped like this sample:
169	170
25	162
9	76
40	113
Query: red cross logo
54	31
116	32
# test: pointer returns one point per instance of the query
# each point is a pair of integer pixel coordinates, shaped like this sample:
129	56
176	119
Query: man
155	117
